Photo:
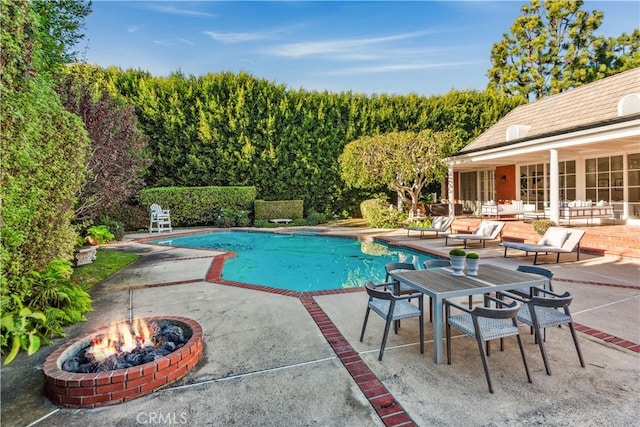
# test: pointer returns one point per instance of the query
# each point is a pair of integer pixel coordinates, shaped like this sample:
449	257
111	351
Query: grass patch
107	263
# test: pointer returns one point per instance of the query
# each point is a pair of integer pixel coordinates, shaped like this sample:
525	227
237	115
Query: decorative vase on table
456	258
472	266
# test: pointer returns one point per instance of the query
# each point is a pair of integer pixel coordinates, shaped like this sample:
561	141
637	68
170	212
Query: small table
440	284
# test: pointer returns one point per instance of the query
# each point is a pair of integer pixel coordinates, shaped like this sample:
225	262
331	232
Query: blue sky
422	47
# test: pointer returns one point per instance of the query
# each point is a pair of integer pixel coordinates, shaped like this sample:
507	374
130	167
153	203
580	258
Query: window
532	185
468	186
487	181
566	180
604	179
633	177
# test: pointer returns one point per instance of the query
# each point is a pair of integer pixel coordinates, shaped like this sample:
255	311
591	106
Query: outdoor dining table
441	284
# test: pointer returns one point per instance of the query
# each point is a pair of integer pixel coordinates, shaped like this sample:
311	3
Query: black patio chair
542	312
392	307
400	288
485	324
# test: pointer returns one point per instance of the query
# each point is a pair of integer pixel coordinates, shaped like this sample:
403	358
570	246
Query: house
580	147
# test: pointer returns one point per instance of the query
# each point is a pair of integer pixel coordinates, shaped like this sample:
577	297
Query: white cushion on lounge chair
437	221
555	237
485	229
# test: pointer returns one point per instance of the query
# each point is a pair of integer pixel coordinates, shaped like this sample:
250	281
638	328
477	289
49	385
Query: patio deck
274	358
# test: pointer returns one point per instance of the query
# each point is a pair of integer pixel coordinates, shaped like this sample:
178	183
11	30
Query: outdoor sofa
556	240
515	208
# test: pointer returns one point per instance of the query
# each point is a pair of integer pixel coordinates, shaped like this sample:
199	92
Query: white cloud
395	67
173	42
297	50
229	38
133	29
175	11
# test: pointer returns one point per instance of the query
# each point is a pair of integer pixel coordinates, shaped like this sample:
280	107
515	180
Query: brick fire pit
92	390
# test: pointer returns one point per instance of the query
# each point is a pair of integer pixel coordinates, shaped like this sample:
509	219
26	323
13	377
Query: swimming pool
300	261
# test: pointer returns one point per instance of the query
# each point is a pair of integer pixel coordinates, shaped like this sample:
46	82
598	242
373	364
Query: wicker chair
542	313
530	292
485	324
391	308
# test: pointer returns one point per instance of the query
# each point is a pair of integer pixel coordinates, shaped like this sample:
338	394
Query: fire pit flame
121	338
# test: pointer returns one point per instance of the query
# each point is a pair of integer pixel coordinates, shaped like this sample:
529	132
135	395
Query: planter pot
472	267
457	264
85	255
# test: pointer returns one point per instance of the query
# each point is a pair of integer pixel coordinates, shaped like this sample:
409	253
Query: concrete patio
272	359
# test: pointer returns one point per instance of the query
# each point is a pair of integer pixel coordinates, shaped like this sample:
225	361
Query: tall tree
404	161
552	47
61	23
117	160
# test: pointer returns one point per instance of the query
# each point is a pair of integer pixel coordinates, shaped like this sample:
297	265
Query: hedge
266	210
191	206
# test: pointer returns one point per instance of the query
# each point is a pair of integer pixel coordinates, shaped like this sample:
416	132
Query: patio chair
439	224
542	313
555	240
397	287
531	292
391	308
485	324
160	219
487	230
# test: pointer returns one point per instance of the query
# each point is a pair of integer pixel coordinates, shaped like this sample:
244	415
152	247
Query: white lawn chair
160	219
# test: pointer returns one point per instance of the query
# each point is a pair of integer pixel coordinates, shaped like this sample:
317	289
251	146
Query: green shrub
48	302
472	255
133	216
457	252
278	209
115	227
315	218
378	213
192	206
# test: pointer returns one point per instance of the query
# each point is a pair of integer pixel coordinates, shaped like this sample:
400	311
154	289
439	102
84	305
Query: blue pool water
298	261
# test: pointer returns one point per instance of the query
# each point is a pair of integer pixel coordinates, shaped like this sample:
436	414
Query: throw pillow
486	229
554	237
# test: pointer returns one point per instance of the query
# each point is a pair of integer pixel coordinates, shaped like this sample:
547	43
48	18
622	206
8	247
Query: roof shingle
592	103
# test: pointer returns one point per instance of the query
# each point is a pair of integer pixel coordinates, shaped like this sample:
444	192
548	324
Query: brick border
386	406
95	390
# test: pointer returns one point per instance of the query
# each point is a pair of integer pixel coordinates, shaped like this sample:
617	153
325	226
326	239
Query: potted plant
457	257
99	234
472	263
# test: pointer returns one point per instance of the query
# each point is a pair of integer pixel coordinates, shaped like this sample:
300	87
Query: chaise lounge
556	240
440	224
487	230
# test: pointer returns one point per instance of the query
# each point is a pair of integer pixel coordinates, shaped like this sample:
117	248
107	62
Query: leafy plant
115	227
472	255
542	225
457	252
99	234
380	214
20	327
315	218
